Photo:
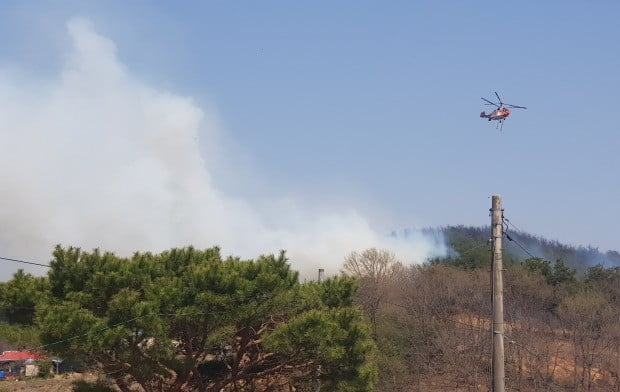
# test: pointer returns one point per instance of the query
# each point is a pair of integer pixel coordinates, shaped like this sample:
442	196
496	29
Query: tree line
192	320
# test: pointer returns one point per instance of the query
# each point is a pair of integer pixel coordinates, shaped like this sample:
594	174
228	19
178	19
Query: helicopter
501	113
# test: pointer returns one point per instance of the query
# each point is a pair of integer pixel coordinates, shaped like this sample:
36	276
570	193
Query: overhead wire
511	239
512	224
25	262
89	333
521	246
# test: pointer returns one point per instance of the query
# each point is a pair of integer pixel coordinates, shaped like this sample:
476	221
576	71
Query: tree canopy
188	319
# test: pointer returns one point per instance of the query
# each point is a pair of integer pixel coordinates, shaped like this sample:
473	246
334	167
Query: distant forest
467	248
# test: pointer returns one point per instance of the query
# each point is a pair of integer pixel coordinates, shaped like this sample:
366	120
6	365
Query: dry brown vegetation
433	329
62	383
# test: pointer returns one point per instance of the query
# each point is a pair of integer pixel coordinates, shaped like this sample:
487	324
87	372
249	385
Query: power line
520	246
509	238
124	322
512	224
25	262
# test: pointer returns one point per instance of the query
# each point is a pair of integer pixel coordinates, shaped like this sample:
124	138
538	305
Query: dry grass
57	384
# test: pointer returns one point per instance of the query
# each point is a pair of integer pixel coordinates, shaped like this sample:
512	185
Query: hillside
433	328
467	245
423	327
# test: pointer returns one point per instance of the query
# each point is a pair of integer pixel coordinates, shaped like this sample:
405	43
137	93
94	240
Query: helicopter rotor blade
498	98
515	106
489	102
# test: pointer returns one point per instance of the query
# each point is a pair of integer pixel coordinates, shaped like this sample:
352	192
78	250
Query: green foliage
605	281
397	333
19	296
470	248
562	274
538	265
191	317
45	368
599	275
26	337
562	279
557	274
337	338
333	292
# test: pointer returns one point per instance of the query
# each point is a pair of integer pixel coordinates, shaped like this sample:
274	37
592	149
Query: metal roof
9	356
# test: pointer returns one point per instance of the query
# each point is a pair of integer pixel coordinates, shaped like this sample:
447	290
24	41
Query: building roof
9	356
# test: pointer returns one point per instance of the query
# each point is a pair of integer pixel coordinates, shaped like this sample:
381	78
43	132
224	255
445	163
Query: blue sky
375	104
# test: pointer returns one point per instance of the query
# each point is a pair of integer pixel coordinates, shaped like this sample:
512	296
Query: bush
45	368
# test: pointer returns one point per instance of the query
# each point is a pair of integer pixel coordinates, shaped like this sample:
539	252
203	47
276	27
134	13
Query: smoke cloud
93	157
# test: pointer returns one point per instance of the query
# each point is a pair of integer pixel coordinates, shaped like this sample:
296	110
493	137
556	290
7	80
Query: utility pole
497	231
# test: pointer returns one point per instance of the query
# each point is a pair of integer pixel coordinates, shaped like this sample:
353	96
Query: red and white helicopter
501	113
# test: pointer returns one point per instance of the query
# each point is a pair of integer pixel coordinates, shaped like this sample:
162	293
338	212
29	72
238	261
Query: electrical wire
521	246
512	224
25	262
124	322
509	238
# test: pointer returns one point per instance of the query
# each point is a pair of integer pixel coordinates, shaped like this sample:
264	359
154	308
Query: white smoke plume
95	158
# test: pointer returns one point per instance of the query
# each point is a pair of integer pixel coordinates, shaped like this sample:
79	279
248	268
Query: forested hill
468	247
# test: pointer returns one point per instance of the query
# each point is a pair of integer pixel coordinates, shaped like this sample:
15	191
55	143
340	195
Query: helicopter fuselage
497	114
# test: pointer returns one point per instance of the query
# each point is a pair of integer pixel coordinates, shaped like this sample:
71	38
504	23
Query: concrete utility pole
497	231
